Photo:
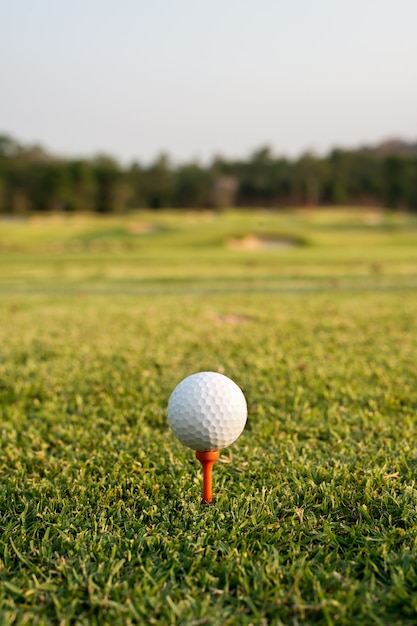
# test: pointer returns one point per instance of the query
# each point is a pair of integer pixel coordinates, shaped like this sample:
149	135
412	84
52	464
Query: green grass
315	512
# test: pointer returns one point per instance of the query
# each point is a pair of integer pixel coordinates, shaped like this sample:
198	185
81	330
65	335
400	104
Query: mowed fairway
313	314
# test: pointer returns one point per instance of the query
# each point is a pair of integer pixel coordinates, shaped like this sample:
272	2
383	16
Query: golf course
313	313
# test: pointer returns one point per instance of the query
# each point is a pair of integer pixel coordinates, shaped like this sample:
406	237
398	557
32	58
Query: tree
9	147
256	178
337	187
310	175
395	177
193	186
82	184
412	184
159	183
107	176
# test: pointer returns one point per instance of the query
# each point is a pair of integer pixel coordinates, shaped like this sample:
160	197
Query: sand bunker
142	228
253	242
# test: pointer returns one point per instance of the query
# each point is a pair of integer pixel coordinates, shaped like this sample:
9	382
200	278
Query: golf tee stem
207	459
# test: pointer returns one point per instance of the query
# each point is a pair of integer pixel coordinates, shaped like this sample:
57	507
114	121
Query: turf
315	517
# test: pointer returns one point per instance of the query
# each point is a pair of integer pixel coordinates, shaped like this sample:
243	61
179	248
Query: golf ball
207	411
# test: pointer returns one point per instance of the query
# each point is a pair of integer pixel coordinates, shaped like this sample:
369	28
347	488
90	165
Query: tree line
31	179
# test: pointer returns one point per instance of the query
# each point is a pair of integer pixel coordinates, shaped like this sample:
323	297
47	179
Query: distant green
315	512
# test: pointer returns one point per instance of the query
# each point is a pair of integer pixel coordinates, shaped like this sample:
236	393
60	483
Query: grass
315	515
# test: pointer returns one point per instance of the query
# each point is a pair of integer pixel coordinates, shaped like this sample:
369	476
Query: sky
196	79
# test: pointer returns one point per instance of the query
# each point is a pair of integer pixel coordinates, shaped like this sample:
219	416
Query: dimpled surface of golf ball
207	411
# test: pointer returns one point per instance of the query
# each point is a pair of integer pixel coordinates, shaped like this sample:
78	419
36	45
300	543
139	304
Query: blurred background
109	107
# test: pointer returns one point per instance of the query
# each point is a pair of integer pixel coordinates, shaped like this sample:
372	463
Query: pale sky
198	78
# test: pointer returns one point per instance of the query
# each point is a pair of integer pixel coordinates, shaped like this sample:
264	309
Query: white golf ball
207	411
